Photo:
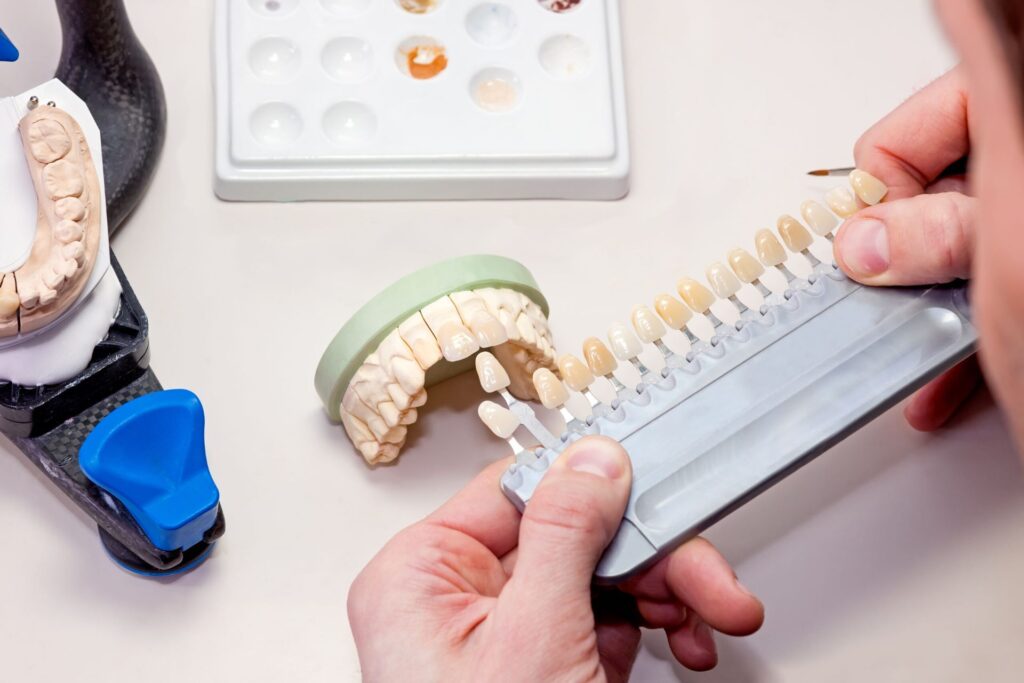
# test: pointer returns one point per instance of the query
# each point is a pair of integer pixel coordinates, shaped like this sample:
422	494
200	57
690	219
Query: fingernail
865	246
597	456
703	638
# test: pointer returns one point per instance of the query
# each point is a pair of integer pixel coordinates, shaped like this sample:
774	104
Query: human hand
932	229
474	592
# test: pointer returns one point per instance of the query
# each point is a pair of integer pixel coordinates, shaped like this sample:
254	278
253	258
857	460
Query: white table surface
895	557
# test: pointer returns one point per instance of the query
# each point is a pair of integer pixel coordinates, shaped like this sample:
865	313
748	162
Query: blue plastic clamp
8	53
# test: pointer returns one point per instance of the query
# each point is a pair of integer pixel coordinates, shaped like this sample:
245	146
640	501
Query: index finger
914	144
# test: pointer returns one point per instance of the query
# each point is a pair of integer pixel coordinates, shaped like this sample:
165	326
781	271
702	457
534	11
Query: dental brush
803	371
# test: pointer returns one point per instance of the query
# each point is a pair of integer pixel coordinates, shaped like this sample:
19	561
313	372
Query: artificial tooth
29	296
697	296
390	412
502	422
624	343
399	396
355	406
575	373
648	326
53	279
488	330
9	300
48	141
457	342
725	284
771	253
409	375
797	238
74	251
550	390
409	417
491	373
675	314
67	268
61	179
69	208
601	361
68	231
818	217
526	330
842	202
870	189
421	340
748	269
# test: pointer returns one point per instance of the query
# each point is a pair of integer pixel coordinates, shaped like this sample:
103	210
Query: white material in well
491	24
348	122
561	130
275	59
565	56
348	59
496	90
274	8
276	124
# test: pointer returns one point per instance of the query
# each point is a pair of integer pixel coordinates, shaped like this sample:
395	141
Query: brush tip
819	172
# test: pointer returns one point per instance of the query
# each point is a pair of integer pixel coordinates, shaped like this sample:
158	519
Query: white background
895	557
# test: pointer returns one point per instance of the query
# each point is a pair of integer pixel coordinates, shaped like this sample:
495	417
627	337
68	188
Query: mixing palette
420	99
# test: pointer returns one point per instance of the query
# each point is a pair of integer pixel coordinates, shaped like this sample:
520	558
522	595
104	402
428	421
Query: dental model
375	388
67	231
740	411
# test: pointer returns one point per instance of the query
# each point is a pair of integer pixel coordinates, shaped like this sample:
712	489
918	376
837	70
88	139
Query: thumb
570	519
926	239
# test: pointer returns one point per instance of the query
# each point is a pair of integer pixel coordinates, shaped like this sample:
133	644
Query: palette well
420	99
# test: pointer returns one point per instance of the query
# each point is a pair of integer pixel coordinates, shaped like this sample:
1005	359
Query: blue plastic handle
8	53
150	455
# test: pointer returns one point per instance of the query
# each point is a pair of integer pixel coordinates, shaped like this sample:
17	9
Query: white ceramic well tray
316	99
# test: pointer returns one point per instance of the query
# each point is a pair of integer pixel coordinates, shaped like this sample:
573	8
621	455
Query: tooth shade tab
870	189
722	280
624	343
575	372
794	234
842	202
599	359
491	373
648	325
500	420
552	393
747	268
769	249
697	296
819	218
673	311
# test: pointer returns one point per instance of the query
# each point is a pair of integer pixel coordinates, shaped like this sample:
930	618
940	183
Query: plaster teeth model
68	227
424	329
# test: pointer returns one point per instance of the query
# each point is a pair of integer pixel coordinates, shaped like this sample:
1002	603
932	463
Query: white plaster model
382	398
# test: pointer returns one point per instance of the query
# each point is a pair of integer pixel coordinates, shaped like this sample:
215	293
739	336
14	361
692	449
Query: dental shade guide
806	370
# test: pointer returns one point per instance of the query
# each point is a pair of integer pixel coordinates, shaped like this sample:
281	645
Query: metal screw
33	102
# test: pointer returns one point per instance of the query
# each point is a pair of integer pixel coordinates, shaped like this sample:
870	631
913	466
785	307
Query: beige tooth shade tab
697	296
794	234
491	373
769	249
553	394
575	372
624	343
818	217
672	311
648	325
599	359
747	268
722	280
842	202
9	300
870	189
501	421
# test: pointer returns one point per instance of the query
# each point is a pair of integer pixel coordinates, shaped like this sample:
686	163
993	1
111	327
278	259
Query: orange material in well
423	70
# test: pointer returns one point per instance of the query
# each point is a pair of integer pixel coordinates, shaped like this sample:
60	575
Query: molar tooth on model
61	179
818	217
870	189
48	141
492	375
74	251
69	208
29	296
421	340
842	202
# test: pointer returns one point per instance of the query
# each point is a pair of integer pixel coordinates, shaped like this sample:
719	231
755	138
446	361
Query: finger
925	239
934	405
658	614
914	144
482	511
696	575
693	644
618	636
571	518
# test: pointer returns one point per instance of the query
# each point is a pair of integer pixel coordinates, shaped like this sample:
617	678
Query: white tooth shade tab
500	420
648	325
769	249
552	392
491	373
673	311
794	234
624	343
599	359
870	189
575	372
697	296
747	268
722	280
818	217
842	202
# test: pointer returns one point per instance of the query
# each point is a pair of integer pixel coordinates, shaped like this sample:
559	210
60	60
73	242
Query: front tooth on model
672	311
870	189
648	325
842	202
722	280
599	359
456	341
552	393
575	373
421	340
697	296
502	422
819	218
747	268
491	373
794	234
487	329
